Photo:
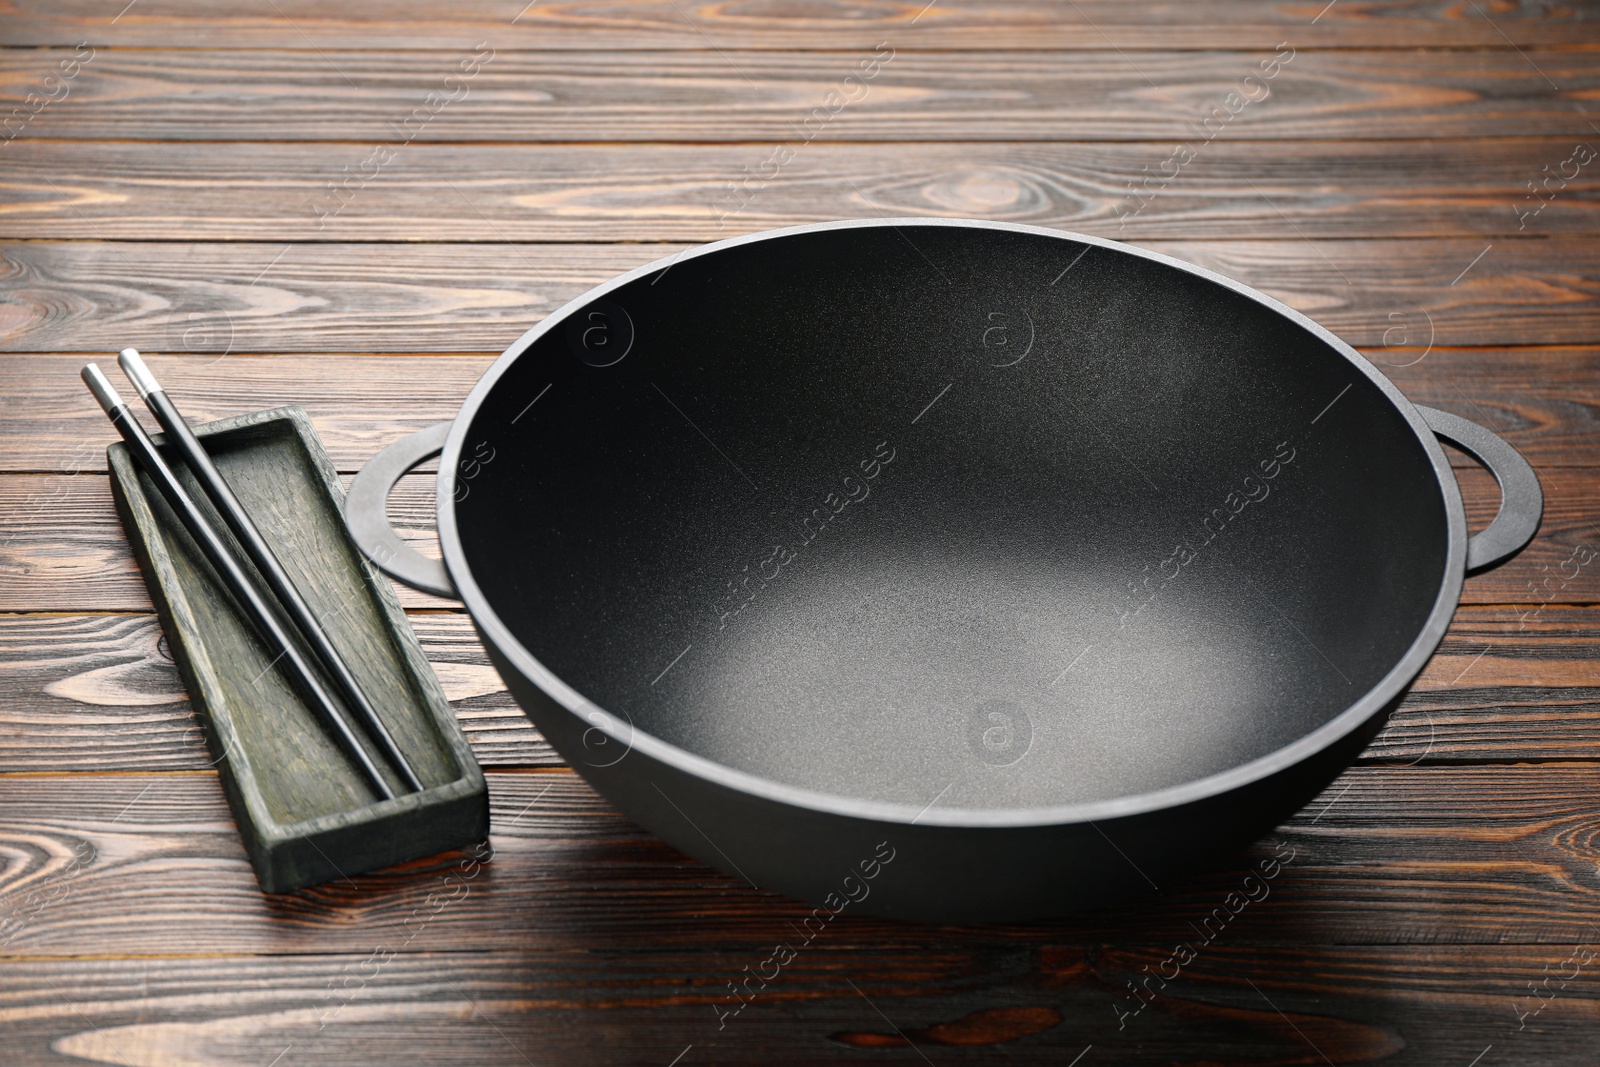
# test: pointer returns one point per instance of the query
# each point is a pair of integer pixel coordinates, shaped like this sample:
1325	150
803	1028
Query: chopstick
244	530
232	574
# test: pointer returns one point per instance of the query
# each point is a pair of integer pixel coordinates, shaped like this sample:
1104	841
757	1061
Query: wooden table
355	206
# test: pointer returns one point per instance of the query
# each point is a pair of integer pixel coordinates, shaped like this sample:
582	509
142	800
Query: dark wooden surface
1443	901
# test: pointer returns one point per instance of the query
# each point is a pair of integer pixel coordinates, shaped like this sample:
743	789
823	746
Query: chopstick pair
265	620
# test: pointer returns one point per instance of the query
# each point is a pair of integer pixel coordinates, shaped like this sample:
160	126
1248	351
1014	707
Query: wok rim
621	730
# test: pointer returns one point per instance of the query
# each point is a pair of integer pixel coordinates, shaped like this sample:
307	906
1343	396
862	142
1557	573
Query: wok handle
1521	498
366	513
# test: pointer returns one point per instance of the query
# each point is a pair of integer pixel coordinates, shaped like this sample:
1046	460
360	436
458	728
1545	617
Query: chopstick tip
101	387
132	365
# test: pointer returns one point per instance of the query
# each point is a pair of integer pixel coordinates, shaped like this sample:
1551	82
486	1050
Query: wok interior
910	514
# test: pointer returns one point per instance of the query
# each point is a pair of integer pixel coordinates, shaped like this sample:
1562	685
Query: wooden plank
176	298
100	693
112	864
62	549
1544	400
61	541
48	421
211	299
1363	290
954	996
286	192
1507	683
165	94
769	24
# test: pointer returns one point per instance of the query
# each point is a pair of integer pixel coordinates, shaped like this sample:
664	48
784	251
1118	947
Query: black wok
947	569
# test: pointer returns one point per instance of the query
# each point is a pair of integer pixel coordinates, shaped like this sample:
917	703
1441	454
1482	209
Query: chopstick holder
305	814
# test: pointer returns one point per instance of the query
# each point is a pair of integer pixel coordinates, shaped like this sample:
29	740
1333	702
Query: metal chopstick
227	504
232	574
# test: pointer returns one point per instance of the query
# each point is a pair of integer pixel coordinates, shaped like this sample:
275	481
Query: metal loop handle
1521	498
366	513
366	506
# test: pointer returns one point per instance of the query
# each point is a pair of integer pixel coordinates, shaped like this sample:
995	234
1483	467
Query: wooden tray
305	813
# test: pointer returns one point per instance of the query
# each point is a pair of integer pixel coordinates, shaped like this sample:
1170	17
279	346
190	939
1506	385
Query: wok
947	569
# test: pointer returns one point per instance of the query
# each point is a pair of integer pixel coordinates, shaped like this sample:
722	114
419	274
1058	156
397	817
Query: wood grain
164	94
60	537
1404	1005
213	299
113	190
62	549
1544	400
169	200
49	423
441	298
1507	683
818	24
1388	855
100	693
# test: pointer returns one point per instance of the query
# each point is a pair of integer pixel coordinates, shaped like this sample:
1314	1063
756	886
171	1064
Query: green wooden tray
305	813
